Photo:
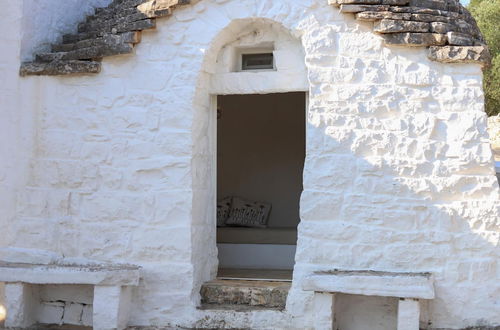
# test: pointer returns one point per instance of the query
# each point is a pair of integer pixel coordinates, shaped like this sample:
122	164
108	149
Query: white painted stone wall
398	174
16	128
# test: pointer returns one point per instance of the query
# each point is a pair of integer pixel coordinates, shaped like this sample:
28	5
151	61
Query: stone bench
408	287
112	290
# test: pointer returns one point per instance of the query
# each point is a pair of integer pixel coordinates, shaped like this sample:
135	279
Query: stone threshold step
265	294
236	308
271	275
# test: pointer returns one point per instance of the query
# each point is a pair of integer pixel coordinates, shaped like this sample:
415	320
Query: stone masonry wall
445	26
398	173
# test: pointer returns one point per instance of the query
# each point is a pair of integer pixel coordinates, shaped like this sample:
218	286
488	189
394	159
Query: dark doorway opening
260	161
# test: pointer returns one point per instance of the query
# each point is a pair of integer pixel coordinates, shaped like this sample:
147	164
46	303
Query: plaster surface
119	167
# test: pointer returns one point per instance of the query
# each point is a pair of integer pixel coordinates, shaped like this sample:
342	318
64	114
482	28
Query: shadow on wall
390	182
385	190
398	178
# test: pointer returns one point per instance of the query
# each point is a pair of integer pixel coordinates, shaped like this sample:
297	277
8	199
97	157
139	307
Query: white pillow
246	213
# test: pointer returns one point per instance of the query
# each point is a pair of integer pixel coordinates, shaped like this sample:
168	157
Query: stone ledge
460	54
372	283
70	274
59	68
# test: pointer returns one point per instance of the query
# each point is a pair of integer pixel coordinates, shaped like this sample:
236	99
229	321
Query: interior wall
261	151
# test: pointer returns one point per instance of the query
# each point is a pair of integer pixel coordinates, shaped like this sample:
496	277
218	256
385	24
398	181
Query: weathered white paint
16	126
69	274
20	303
111	308
324	311
408	314
398	176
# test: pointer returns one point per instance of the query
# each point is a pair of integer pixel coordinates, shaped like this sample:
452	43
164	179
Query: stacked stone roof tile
444	26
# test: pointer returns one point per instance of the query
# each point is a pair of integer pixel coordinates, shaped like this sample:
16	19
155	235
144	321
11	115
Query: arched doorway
257	125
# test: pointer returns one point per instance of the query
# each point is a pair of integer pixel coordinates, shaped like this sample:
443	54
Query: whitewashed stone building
360	121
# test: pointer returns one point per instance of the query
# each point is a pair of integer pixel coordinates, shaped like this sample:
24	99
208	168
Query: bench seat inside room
256	248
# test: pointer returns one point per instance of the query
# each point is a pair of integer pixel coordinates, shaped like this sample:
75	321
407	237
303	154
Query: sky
465	2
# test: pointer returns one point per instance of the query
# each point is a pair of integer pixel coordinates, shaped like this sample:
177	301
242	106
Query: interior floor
255	274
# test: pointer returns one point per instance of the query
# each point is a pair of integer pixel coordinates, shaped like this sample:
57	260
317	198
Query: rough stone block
432	4
408	314
392	26
460	54
20	300
50	312
440	27
248	293
111	308
359	2
324	311
56	68
28	256
75	293
73	313
87	316
415	39
460	39
362	8
376	15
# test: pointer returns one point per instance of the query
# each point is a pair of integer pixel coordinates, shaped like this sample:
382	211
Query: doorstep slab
237	293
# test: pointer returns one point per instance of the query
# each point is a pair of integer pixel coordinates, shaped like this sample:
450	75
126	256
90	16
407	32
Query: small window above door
258	58
262	61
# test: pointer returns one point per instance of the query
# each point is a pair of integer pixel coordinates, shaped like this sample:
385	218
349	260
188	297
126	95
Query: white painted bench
112	290
408	287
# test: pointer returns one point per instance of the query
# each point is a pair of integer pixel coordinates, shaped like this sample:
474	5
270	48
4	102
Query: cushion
246	213
223	209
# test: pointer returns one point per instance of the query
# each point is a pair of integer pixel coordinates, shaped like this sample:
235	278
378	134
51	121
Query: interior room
260	160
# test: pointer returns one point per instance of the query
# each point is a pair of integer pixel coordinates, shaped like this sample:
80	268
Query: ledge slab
70	274
460	54
59	68
370	283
